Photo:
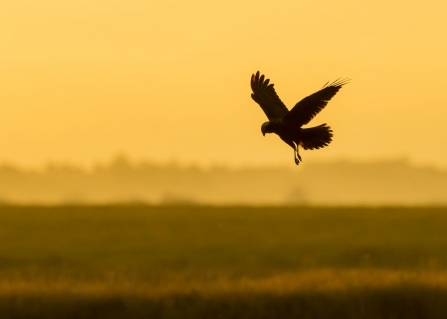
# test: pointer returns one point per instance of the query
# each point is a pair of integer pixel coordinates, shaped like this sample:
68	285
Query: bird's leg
293	145
296	154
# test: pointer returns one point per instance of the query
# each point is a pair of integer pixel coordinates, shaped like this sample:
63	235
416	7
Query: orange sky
169	80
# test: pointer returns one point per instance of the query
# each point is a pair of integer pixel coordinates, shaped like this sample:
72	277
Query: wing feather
265	95
306	109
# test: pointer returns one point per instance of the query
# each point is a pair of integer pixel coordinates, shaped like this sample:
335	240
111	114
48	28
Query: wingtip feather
337	83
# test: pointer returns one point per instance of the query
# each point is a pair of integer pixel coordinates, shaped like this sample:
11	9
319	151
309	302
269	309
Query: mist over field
392	182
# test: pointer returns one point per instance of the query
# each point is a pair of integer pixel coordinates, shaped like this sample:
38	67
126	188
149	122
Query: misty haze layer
339	183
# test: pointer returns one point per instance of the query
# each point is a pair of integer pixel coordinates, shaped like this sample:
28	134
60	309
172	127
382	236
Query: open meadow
222	262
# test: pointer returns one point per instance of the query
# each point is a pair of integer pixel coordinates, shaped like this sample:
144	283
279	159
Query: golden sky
169	80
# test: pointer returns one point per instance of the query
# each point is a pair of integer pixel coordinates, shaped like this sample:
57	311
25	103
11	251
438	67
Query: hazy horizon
178	163
120	180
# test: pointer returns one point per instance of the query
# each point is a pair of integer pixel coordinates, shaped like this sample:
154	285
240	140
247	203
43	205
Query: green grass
227	262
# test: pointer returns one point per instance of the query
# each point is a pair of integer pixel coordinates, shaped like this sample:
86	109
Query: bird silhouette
288	124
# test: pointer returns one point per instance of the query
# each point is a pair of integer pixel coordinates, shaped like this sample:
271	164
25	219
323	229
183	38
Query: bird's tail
315	137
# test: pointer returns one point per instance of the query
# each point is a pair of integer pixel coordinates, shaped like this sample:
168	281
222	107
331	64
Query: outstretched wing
264	94
306	109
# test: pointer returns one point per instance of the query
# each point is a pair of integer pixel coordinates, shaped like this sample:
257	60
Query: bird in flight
288	124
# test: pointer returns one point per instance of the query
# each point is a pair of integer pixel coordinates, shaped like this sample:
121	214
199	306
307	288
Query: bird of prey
288	124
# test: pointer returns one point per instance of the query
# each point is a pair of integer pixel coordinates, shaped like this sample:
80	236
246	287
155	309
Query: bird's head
265	128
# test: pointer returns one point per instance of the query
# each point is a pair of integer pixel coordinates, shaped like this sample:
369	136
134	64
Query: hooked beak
264	128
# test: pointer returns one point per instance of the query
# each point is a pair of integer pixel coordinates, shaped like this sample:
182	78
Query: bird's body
288	124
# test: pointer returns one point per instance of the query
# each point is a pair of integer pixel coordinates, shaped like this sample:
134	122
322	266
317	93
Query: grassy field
222	262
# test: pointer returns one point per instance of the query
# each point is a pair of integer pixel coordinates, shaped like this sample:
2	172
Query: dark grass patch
410	303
